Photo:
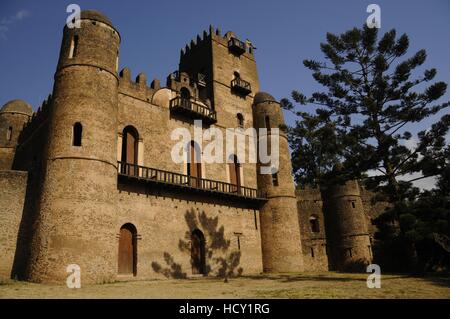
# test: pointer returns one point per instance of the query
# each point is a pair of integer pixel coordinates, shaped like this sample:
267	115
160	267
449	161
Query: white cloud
6	22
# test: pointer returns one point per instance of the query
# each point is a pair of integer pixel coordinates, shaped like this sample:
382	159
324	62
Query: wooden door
126	251
194	167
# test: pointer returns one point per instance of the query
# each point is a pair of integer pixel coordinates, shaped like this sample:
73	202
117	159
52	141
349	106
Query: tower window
73	47
240	119
314	224
77	134
353	204
9	133
312	252
275	179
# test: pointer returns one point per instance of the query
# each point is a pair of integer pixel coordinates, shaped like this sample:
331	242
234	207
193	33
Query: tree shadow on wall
220	261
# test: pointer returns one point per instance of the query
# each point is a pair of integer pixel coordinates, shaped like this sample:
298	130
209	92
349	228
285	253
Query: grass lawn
305	285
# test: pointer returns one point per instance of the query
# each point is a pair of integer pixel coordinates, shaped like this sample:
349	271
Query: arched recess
130	146
127	261
194	164
198	249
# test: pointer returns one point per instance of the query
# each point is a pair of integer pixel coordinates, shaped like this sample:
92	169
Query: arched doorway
127	264
130	142
198	252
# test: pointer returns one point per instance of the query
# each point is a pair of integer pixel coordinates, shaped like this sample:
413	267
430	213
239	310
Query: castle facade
88	179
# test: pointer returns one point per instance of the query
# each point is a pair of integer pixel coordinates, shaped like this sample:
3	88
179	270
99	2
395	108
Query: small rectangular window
353	204
256	220
312	252
73	47
77	134
9	133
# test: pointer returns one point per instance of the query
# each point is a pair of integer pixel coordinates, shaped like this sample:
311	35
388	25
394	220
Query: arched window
314	224
9	133
194	165
130	142
240	120
198	252
236	75
77	134
235	173
127	263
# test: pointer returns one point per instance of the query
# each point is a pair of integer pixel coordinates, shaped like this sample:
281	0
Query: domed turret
280	231
346	226
13	116
78	203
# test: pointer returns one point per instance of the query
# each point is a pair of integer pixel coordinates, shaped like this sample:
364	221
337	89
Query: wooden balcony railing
162	177
236	46
193	109
240	86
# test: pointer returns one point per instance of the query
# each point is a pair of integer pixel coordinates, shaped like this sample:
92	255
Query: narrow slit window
9	133
312	252
73	47
77	134
353	205
256	220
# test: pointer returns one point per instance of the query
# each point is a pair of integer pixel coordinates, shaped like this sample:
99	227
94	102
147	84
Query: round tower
76	223
13	116
280	231
346	227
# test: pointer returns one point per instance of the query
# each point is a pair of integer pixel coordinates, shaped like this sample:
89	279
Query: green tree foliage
369	96
371	93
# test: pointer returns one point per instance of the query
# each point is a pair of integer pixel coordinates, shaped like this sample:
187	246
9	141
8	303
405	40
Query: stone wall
13	186
314	244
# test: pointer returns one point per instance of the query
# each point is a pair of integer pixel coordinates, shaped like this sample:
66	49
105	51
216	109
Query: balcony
188	183
236	46
241	87
192	109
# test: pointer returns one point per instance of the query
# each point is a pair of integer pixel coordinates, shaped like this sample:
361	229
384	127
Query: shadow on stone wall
220	261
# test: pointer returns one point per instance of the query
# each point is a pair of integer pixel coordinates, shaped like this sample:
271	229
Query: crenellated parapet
38	118
229	39
137	88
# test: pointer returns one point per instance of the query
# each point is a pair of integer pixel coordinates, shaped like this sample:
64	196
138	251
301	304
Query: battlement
36	120
137	88
215	34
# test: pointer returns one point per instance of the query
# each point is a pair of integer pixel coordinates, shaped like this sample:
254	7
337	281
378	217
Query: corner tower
13	116
280	231
346	227
76	222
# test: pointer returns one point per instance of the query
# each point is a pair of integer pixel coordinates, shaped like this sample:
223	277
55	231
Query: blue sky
153	32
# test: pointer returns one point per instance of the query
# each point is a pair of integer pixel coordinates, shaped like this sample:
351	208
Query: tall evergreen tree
370	94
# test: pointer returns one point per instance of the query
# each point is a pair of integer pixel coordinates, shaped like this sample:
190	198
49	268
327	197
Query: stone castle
88	178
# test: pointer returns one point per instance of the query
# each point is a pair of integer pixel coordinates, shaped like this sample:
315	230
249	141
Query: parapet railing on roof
194	108
159	176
